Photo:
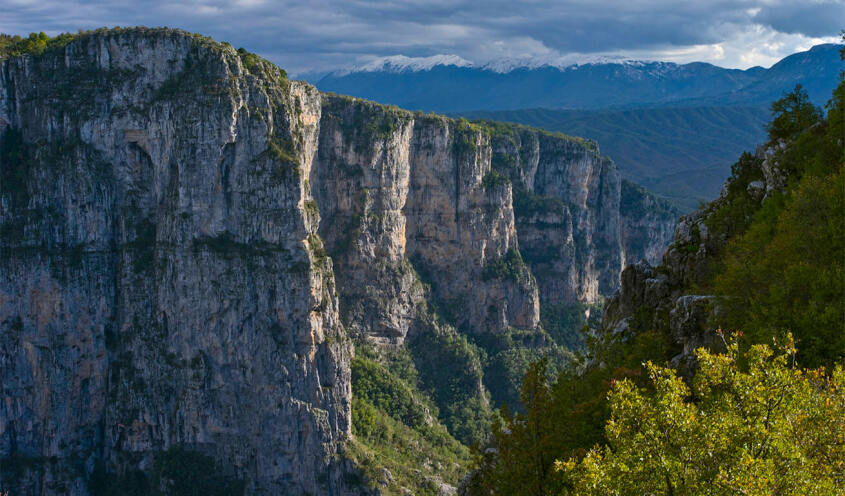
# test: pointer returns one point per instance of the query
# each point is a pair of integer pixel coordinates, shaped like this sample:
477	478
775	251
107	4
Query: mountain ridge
452	88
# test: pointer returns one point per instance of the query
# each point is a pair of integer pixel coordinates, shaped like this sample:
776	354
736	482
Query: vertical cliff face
497	218
162	281
404	193
174	218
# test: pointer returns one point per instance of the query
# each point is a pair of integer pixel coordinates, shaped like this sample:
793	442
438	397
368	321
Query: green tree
788	271
522	461
792	114
765	428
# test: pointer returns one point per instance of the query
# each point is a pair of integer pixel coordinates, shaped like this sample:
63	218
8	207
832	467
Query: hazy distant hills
675	128
450	84
683	154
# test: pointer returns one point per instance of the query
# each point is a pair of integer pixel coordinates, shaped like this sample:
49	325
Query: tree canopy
762	429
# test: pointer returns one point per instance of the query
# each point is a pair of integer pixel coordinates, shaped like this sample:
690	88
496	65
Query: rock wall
175	216
161	280
456	201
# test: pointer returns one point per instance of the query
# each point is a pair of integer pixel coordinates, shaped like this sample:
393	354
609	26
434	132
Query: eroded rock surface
174	219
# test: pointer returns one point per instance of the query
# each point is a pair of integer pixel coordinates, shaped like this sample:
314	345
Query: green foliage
557	418
365	124
768	428
635	198
39	43
793	114
500	129
786	270
778	262
450	370
494	179
566	416
529	469
373	383
395	427
311	208
565	322
318	251
466	134
249	59
732	215
509	360
508	267
34	44
527	204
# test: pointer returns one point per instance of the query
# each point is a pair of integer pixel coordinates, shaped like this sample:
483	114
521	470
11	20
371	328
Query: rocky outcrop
189	240
495	218
666	297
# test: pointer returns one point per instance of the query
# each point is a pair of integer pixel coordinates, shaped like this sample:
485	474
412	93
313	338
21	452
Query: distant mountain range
448	83
674	128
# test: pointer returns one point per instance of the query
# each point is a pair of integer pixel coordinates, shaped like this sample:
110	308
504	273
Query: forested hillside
756	277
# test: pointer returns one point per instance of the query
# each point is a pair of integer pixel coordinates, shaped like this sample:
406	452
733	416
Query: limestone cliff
174	216
162	281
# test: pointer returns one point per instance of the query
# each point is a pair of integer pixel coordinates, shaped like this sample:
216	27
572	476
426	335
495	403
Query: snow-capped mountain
401	63
449	83
506	65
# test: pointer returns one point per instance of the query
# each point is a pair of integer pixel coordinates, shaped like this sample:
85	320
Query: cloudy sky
319	35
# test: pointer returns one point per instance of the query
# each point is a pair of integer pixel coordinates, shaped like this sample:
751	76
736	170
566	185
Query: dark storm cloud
307	35
812	18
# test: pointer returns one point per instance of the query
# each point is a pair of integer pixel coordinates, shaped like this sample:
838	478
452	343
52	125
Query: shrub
508	267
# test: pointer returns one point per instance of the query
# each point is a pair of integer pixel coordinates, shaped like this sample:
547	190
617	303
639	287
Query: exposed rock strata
164	282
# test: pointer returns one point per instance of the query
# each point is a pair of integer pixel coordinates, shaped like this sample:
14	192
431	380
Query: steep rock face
162	284
173	220
658	297
578	222
399	193
467	205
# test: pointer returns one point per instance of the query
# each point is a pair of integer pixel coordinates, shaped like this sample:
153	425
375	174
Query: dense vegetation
763	428
399	443
754	421
786	270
